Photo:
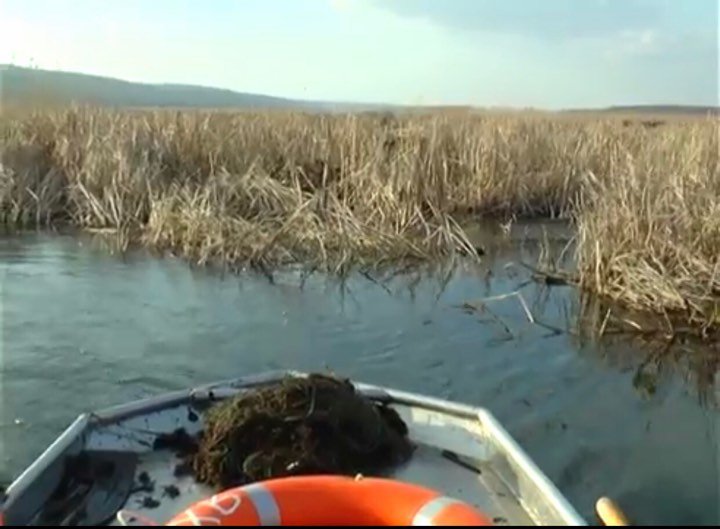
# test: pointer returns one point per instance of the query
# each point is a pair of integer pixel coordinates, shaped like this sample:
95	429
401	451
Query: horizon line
10	65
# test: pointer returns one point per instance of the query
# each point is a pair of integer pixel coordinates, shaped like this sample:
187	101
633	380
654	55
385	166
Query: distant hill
35	86
30	86
25	85
682	110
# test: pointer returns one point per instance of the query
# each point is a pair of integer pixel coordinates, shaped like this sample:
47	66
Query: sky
492	53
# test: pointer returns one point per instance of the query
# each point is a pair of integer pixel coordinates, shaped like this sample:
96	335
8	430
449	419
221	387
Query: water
82	329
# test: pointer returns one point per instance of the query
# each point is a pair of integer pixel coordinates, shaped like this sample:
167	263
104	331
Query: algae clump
299	426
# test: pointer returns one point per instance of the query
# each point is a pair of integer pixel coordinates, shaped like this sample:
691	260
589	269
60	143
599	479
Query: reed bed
649	237
339	191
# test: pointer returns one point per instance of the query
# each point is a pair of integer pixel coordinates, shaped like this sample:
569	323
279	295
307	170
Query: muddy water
82	329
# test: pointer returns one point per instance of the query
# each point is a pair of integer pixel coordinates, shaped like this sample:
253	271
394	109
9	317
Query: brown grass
335	191
649	237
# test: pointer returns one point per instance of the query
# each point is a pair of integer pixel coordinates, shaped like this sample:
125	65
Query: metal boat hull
462	451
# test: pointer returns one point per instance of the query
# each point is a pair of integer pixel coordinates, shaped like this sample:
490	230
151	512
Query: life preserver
330	500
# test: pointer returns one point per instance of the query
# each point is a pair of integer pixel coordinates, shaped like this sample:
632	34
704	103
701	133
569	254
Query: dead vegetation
333	192
300	426
649	237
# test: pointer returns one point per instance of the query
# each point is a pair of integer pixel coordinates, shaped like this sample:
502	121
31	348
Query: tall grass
268	189
649	236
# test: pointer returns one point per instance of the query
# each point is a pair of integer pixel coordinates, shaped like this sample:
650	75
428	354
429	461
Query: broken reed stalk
333	192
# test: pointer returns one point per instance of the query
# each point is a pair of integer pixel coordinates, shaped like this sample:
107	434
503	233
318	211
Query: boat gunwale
58	448
222	390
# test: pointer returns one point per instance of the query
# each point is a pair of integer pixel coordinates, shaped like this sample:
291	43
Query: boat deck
461	452
428	468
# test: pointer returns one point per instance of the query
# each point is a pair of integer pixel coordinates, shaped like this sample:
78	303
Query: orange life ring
330	500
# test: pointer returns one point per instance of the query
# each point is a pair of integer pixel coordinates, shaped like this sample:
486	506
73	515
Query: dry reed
266	189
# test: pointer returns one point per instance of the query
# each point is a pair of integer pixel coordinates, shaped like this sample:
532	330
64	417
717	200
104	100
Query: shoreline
338	192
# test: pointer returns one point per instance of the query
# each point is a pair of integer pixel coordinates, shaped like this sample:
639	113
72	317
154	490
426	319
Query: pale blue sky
542	53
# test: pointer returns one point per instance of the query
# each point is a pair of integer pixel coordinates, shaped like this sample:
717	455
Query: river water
83	329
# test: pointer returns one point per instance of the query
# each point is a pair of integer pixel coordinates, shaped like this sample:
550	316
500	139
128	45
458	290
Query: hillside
654	110
25	85
28	86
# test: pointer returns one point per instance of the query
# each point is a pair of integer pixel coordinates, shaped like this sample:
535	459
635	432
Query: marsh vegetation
337	192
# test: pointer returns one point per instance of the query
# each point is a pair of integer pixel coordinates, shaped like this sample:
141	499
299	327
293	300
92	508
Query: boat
461	451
